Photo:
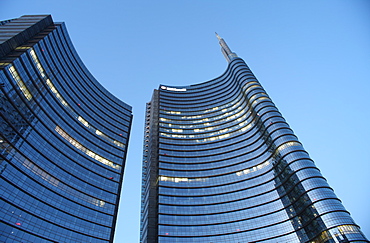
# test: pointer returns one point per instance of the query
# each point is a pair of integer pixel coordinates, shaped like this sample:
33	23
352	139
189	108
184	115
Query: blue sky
312	57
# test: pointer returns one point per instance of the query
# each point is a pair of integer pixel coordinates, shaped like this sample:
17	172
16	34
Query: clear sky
312	57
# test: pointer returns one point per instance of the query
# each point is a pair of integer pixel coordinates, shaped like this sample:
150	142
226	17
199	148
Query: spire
229	55
218	37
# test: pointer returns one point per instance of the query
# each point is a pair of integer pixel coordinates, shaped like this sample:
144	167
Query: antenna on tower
229	55
218	37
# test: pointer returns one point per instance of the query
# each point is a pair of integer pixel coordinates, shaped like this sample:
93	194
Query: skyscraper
220	164
63	139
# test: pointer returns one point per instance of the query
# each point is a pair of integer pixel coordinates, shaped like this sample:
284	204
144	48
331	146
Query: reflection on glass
90	153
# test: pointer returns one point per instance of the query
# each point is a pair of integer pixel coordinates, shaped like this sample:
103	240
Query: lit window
85	150
23	47
20	82
86	124
60	98
55	91
181	179
172	89
177	130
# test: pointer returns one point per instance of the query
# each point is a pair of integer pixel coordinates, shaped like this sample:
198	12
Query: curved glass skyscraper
222	165
63	139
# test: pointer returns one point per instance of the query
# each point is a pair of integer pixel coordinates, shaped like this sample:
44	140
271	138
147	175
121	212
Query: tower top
218	37
229	55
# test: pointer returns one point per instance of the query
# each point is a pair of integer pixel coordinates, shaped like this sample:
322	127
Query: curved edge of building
220	164
63	139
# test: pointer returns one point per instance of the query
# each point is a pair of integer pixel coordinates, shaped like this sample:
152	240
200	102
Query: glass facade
221	164
63	139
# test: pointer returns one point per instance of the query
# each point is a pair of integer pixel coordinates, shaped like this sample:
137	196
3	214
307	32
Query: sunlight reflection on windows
35	169
253	169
